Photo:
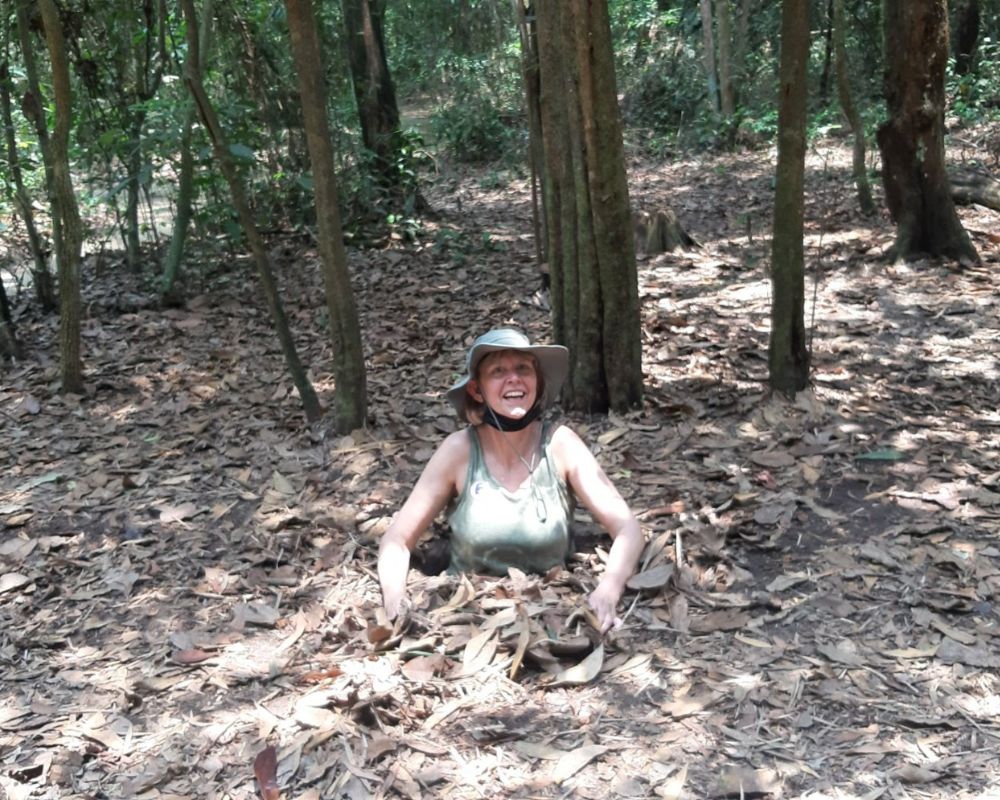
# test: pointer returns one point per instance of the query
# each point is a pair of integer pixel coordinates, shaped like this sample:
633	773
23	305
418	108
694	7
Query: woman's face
507	382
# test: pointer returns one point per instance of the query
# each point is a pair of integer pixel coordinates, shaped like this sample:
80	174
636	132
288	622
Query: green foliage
475	128
975	96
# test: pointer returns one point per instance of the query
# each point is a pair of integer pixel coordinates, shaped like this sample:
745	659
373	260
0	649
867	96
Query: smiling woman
510	480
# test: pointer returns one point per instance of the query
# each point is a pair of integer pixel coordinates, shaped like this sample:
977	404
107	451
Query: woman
510	479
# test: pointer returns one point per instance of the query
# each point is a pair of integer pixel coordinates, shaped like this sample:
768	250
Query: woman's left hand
604	600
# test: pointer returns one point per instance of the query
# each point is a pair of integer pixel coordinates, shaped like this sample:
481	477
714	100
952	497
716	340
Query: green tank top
493	528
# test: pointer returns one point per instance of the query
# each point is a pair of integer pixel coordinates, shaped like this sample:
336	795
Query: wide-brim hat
553	364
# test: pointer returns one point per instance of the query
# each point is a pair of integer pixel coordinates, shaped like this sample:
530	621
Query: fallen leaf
655	578
265	769
575	760
192	656
479	652
13	580
582	673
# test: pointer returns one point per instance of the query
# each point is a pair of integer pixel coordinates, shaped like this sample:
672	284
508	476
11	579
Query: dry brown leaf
911	773
575	760
13	580
581	673
479	652
655	578
773	459
191	656
265	769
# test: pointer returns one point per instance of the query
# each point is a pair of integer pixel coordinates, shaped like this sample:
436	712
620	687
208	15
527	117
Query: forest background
186	561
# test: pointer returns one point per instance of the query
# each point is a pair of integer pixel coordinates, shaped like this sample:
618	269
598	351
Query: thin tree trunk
912	139
68	244
350	402
169	292
536	154
31	106
850	112
307	394
41	277
824	78
723	14
788	357
10	347
708	54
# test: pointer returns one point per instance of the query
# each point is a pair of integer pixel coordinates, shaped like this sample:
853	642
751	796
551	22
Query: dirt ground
187	596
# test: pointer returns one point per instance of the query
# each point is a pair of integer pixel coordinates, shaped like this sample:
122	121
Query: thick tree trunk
32	107
70	239
590	244
310	402
373	88
912	139
350	402
850	112
788	356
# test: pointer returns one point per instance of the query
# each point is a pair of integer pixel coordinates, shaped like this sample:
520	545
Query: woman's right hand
393	565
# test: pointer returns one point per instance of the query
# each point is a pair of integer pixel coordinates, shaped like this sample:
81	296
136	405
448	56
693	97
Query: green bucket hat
553	364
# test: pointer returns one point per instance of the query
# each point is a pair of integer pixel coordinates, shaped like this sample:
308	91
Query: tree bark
170	293
9	344
912	139
723	14
31	106
824	78
528	34
70	239
788	357
850	112
590	245
975	186
350	402
708	54
966	35
373	88
192	76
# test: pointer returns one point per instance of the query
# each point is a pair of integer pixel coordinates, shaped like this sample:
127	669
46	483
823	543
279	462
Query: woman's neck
512	447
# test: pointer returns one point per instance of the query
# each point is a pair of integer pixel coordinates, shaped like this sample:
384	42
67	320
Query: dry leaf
265	769
13	580
575	760
772	459
191	656
582	673
479	652
655	578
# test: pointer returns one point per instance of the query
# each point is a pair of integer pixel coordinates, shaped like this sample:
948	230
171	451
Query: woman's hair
475	409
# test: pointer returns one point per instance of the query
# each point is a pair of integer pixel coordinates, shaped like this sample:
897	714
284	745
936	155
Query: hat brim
553	364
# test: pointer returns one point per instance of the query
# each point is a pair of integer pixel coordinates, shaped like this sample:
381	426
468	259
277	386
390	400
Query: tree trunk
723	14
373	88
170	293
912	139
966	35
70	239
10	347
788	357
850	112
528	34
42	279
350	402
708	54
590	245
824	78
975	186
192	77
32	107
741	46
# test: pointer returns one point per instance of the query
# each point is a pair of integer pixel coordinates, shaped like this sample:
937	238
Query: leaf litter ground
188	603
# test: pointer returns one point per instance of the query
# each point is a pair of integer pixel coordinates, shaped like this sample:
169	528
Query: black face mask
510	424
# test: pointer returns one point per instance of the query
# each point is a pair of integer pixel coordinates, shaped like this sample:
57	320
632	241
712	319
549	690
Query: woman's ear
473	389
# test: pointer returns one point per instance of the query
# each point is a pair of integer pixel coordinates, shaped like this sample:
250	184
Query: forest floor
187	569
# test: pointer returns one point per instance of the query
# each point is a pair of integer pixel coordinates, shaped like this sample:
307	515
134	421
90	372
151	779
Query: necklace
540	510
